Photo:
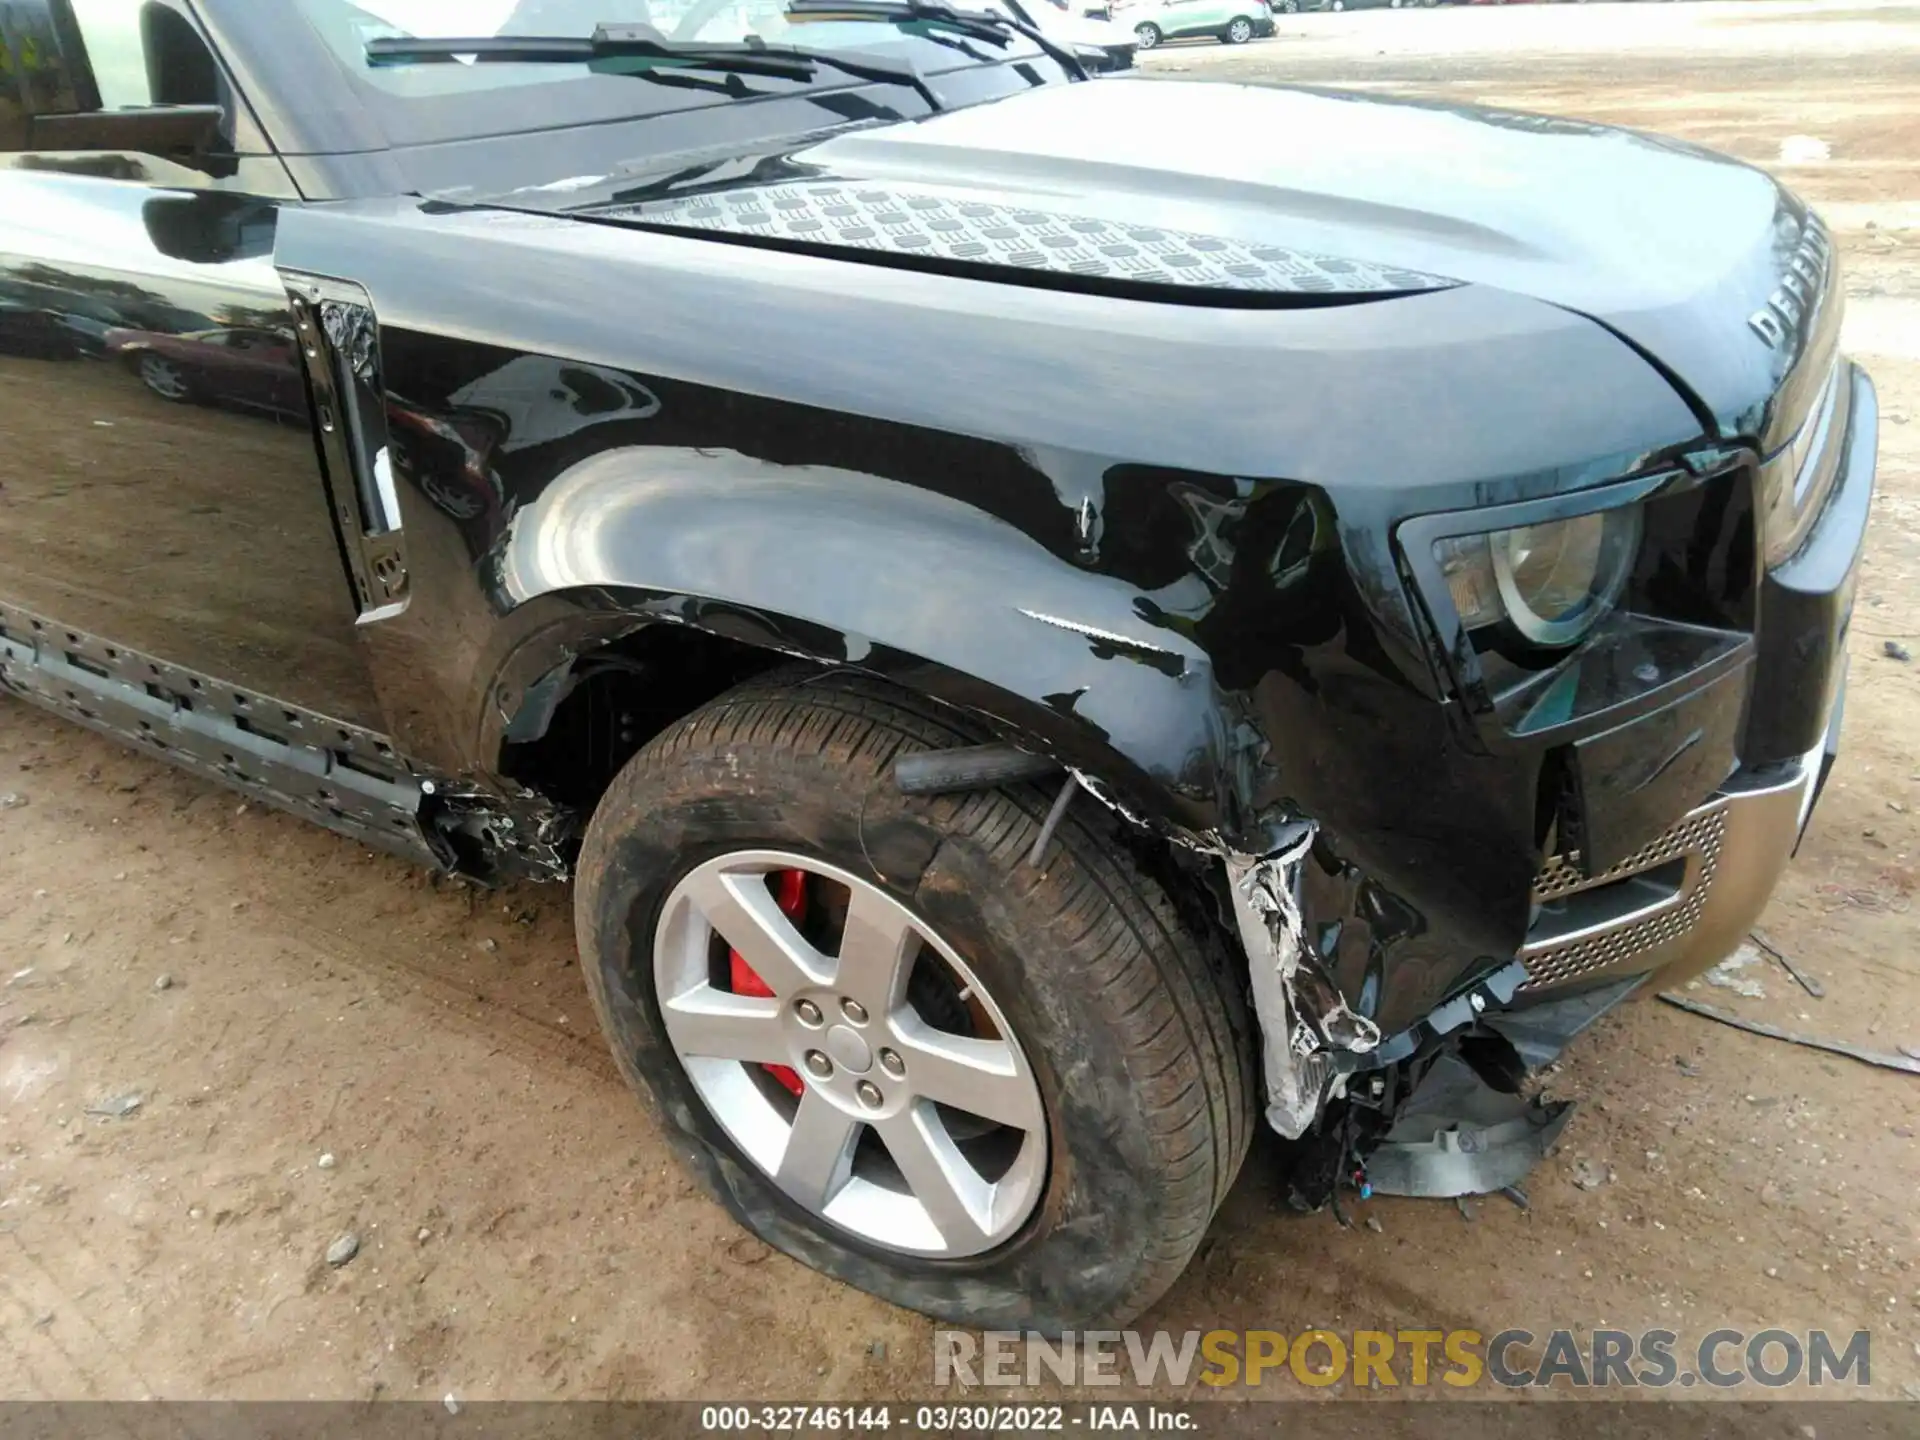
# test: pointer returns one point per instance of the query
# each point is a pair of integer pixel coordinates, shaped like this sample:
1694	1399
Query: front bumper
1685	901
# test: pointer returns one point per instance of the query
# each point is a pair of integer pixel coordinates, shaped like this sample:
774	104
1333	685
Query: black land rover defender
1039	640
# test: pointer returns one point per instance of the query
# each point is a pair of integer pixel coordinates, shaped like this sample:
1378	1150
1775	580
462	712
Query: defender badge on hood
1799	289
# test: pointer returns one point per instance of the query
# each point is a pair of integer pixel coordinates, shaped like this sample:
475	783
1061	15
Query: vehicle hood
1702	263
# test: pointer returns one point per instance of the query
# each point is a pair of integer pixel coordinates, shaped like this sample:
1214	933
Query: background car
1090	30
1232	22
32	333
250	368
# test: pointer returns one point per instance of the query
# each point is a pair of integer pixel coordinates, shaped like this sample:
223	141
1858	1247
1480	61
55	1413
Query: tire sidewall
1070	1259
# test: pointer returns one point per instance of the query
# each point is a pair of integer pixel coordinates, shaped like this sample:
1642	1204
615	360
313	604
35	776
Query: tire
1238	32
1148	35
1096	976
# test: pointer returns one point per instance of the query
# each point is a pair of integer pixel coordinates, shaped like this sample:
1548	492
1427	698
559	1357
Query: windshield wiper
982	24
752	56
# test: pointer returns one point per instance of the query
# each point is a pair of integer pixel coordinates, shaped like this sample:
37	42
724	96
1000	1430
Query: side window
144	53
110	32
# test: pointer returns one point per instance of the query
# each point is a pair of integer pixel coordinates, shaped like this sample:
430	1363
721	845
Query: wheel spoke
712	1023
876	949
956	1199
747	917
819	1154
885	1068
981	1077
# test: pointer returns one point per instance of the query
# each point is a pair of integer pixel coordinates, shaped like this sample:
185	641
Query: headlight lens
1551	582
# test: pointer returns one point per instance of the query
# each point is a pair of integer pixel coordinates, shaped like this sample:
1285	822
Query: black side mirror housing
208	229
50	101
174	132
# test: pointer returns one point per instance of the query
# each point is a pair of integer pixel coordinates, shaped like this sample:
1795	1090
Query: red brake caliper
790	890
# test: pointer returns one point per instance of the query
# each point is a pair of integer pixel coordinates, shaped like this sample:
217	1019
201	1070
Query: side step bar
338	775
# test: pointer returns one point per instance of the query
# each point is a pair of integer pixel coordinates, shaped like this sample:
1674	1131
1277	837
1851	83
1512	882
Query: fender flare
852	570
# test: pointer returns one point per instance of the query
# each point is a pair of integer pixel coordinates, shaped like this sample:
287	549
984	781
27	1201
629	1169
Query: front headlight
1551	582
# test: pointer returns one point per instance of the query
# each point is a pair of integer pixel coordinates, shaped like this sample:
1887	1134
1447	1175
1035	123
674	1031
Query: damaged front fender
1153	541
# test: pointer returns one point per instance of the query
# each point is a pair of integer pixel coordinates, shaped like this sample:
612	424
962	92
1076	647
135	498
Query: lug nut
892	1064
808	1012
818	1065
869	1094
854	1011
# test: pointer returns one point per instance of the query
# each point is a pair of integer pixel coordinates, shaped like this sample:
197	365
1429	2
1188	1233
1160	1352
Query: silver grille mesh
906	221
1699	834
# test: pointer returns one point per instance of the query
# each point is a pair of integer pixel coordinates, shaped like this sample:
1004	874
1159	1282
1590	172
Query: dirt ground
278	996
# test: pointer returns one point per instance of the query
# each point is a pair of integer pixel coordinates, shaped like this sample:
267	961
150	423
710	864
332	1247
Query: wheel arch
573	702
677	574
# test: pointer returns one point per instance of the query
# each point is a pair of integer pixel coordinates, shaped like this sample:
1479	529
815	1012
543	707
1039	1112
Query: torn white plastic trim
1268	914
1295	1063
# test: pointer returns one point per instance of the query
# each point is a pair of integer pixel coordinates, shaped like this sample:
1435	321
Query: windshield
347	27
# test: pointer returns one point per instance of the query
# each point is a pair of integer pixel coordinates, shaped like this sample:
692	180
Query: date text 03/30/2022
944	1419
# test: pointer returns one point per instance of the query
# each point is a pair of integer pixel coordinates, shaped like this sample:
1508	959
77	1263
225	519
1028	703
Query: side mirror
175	132
210	229
50	100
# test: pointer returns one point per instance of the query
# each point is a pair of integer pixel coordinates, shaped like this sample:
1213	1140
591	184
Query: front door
159	484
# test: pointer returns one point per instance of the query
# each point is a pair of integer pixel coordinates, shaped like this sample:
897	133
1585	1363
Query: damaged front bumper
1669	911
1684	902
1334	957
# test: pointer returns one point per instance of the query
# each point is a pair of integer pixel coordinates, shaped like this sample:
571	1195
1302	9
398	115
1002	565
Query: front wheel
1007	1096
1239	31
1147	35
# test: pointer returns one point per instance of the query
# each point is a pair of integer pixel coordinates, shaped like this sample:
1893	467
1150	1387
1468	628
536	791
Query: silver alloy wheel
163	377
865	1057
1239	31
1147	35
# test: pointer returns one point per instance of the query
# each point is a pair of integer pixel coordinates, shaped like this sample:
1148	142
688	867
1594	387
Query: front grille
1696	839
